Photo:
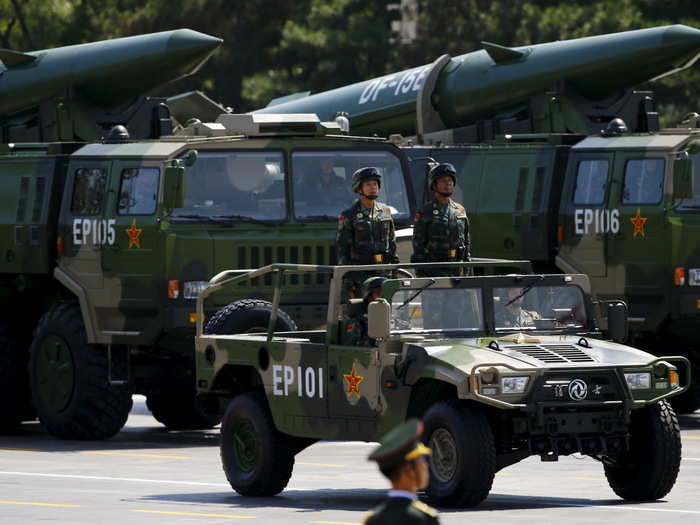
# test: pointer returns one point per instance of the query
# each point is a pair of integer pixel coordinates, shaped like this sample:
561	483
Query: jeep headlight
638	380
514	384
694	277
191	289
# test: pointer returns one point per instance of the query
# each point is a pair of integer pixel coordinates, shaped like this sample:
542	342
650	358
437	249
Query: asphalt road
148	475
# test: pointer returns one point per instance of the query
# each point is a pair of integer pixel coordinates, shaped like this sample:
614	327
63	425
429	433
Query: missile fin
502	54
288	98
14	58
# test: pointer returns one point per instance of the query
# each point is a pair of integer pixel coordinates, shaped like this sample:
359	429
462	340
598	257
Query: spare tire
247	316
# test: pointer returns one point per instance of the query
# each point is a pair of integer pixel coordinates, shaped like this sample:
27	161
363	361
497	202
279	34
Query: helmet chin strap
368	197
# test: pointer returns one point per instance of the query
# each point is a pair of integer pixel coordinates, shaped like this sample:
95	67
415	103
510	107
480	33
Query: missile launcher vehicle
548	174
501	365
107	237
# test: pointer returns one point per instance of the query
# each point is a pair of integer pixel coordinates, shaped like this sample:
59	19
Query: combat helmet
364	174
616	126
371	284
442	169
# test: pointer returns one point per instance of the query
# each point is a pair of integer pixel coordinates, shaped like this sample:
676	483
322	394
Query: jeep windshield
539	308
235	186
322	182
516	308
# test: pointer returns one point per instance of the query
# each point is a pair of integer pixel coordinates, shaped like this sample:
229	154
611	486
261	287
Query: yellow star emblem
353	383
134	234
638	222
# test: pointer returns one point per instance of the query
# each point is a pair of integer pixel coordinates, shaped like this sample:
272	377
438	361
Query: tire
248	315
178	411
463	458
69	379
256	457
14	380
649	469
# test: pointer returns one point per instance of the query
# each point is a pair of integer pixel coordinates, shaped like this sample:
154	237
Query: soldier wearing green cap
402	459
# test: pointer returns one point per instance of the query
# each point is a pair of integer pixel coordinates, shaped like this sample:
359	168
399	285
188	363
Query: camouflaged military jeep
500	364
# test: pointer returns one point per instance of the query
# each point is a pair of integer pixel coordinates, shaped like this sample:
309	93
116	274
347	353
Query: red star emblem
134	233
638	221
353	383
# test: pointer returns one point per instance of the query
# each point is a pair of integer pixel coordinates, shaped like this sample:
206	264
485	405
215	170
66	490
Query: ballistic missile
106	73
459	91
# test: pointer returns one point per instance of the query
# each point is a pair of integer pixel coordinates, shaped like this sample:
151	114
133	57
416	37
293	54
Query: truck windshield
229	185
322	182
539	308
694	202
437	309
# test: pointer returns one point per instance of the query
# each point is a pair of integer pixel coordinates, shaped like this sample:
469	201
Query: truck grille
553	353
257	256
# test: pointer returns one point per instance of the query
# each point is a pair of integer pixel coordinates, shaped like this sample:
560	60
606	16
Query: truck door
639	246
83	231
586	219
131	263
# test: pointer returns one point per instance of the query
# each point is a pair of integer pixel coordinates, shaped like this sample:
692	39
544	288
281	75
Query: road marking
201	514
691	459
36	504
691	437
539	503
22	449
107	478
132	454
318	464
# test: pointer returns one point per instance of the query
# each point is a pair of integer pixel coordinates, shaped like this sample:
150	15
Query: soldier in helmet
365	230
441	227
355	332
402	459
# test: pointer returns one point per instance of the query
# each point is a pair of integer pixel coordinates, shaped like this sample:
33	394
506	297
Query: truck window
591	182
540	307
437	309
138	191
644	179
88	191
235	185
322	182
694	202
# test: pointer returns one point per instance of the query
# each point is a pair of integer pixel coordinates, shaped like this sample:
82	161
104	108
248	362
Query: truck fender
77	290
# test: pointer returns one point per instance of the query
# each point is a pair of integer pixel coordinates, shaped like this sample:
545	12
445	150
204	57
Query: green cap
400	445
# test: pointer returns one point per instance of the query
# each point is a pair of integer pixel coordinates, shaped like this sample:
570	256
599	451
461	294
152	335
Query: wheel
649	469
463	458
177	410
69	379
14	380
247	315
256	457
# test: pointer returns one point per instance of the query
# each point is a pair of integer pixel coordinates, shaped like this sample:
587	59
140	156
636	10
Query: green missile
106	73
463	89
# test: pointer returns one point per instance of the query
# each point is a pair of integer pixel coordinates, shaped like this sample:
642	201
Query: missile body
104	74
479	84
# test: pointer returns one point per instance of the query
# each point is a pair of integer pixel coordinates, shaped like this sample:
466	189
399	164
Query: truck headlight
694	277
638	380
514	385
191	289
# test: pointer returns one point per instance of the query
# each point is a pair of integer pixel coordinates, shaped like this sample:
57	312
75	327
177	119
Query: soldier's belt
373	258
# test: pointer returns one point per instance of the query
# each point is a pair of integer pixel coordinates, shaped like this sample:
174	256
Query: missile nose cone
680	34
183	39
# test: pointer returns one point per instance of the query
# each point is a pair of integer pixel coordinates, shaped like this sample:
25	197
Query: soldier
355	333
401	458
366	230
509	311
441	227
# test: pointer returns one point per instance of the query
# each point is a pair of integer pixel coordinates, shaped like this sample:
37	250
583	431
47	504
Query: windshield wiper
246	218
418	292
207	218
525	290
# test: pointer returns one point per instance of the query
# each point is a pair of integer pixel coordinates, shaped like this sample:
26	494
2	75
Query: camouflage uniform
365	236
441	234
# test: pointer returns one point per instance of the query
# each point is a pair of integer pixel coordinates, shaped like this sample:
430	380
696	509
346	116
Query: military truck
501	365
547	173
107	245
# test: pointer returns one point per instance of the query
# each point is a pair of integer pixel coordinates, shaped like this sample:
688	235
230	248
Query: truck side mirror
617	321
378	317
174	188
683	178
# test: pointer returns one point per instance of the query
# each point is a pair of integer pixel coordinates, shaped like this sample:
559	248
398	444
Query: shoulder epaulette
425	509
